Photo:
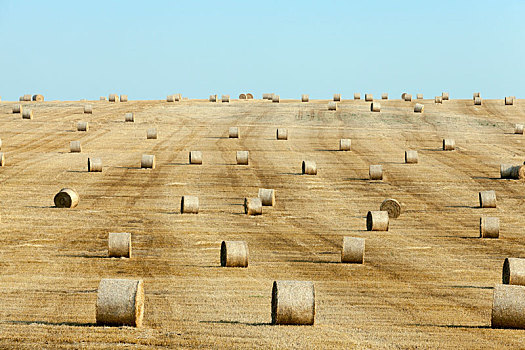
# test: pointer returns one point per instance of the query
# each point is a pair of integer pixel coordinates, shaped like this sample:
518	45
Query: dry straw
94	165
487	199
293	303
253	206
151	134
376	172
267	196
384	96
178	97
130	117
234	254
212	98
275	98
242	157
509	101
392	207
119	245
233	132
113	98
267	96
508	171
242	97
357	96
518	129
369	97
337	97
345	144
353	250
419	96
449	145
189	205
403	95
508	306
225	98
408	97
377	221
82	126
514	271
17	109
195	157
249	96
309	167
375	107
75	147
26	98
419	108
305	98
332	106
170	98
476	94
148	161
411	157
445	96
489	227
438	99
66	198
120	302
123	98
38	98
27	114
282	134
88	109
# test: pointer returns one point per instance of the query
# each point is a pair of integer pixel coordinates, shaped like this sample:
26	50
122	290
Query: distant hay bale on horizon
419	96
189	205
120	302
26	98
477	101
377	221
305	98
253	206
293	303
170	98
384	96
113	98
309	167
66	198
212	98
476	94
148	161
234	254
225	98
38	98
449	145
337	97
123	98
408	97
94	165
411	157
487	199
445	96
282	134
74	147
508	306
375	107
267	96
267	196
249	96
353	250
119	245
489	227
438	99
376	172
103	98
369	97
514	271
509	101
419	108
357	96
242	97
195	157
332	106
276	98
242	157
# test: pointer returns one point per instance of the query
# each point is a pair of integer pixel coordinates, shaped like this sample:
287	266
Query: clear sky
70	50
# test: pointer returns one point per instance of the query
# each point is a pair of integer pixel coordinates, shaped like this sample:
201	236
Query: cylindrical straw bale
293	303
94	165
2	159
403	95
357	96
487	199
369	97
476	94
26	98
242	157
189	205
411	157
337	97
88	109
392	207
282	134
332	106
518	129
376	172
449	145
213	98
345	144
275	98
120	302
233	132
123	98
253	206
103	98
66	198
130	117
17	109
119	245
305	98
74	147
477	101
514	271
242	97
419	108
113	98
353	250
195	157
384	96
489	227
234	254
512	171
225	98
38	98
438	99
419	96
408	97
151	134
170	98
148	161
377	221
309	167
249	96
375	107
267	196
27	114
509	101
266	96
178	97
508	307
445	96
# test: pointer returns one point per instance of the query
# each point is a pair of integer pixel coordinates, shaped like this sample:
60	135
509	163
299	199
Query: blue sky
148	49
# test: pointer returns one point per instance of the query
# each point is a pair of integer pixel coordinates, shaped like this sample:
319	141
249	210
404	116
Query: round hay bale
26	98
88	109
213	98
377	221
267	196
369	97
477	101
103	98
242	157
234	254
445	96
275	98
508	307
375	107
178	97
332	106
225	98
249	96
123	98
66	198
253	206
476	94
514	271
17	109
189	205
419	96
518	129
357	96
309	167
509	101
392	207
82	126
376	172
305	98
345	144
2	159
403	95
148	161
74	147
419	108
353	250
195	157
267	96
282	134
38	98
119	245
489	227
27	114
233	132
113	98
411	157
438	99
94	165
337	97
293	303
449	145
242	97
170	98
408	97
487	199
151	134
120	302
512	171
384	96
130	117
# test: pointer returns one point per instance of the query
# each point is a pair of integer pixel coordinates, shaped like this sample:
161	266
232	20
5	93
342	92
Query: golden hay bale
74	147
253	206
419	108
103	98
293	303
384	96
309	167
476	94
170	98
477	101
66	198
518	129
225	98
403	95
148	161
123	98
438	99
276	98
392	207
332	106
514	271
88	109
234	254
411	157
357	96
408	97
94	165
178	97
120	302
305	98
26	98
151	134
508	171
449	145
119	245
282	134
233	132
509	101
195	157
489	227
419	96
369	97
376	172
189	205
267	196
487	199
17	109
212	98
242	157
27	114
445	96
2	159
377	221
345	144
375	107
337	97
113	98
353	250
267	96
242	97
508	307
130	117
38	98
82	126
249	96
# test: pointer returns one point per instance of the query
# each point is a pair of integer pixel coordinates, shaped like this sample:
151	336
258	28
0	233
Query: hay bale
477	101
403	95
377	221
476	94
88	109
309	167
82	126
249	96
337	97
369	97
148	161
225	98
305	98
419	108
113	98
233	132
2	159
488	227
445	96
66	198
345	144
438	99
419	96
120	302
234	254
103	98
242	97
282	134
514	271
267	196
242	157
332	106
94	165
129	117
119	245
27	114
487	199
375	107
508	171
384	96
508	307
449	145
195	157
38	98
123	98
212	98
151	134
509	101
357	96
74	147
411	157
267	96
408	97
353	250
392	207
178	97
376	172
275	98
253	206
17	109
293	303
26	98
518	129
189	205
170	98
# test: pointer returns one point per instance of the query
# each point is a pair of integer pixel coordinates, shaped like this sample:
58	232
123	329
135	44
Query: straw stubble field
427	282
